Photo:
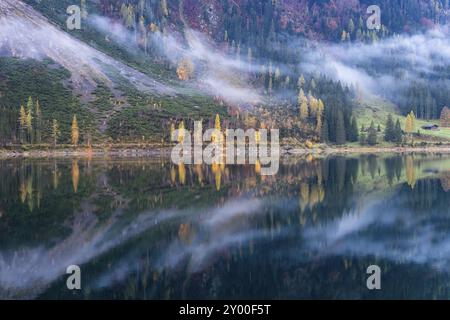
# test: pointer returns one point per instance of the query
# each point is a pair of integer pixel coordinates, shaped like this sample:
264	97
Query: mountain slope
98	88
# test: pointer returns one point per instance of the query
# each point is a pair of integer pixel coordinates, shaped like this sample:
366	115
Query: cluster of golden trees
31	125
310	107
74	132
30	122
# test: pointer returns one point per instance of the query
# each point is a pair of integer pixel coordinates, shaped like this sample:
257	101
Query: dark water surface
148	229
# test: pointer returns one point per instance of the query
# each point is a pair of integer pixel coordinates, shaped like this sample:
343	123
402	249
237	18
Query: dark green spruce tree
372	136
389	131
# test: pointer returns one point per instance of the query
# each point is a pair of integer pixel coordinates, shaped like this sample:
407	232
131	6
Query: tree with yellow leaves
75	131
29	120
313	105
319	116
22	124
185	69
75	175
217	124
303	104
181	132
410	125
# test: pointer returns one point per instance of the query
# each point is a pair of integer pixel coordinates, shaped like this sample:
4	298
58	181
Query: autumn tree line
27	126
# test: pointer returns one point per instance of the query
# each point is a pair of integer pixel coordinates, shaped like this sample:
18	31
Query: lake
149	229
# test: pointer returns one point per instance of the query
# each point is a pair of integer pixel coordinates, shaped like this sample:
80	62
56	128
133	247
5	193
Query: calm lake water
148	229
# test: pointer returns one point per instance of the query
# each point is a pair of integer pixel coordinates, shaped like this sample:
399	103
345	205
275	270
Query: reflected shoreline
156	151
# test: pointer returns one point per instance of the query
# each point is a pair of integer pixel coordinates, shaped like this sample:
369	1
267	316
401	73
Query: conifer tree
445	117
29	120
303	104
38	126
301	81
75	131
340	128
389	131
313	105
324	132
181	132
354	134
55	132
217	124
372	136
22	124
398	134
319	117
351	26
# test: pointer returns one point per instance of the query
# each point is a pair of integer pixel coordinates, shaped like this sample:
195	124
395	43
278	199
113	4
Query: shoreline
165	151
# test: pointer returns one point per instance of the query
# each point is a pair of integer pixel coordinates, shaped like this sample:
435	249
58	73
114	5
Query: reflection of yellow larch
304	192
215	168
258	167
314	196
75	175
410	172
23	192
321	193
75	133
182	173
185	233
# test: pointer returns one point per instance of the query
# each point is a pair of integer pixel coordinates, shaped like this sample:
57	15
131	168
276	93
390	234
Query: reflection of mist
217	230
25	272
386	229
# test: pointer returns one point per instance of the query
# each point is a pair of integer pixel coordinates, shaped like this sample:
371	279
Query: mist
25	33
216	73
394	63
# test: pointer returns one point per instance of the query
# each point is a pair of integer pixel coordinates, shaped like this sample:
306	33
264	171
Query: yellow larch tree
75	133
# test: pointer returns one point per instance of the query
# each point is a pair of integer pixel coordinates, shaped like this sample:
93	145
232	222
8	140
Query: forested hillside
149	66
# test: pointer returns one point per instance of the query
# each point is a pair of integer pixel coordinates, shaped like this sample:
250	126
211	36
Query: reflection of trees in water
320	190
410	171
75	175
37	197
445	181
427	194
393	167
